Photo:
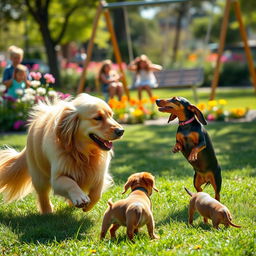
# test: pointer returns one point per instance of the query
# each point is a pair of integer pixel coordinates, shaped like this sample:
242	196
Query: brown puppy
134	211
209	208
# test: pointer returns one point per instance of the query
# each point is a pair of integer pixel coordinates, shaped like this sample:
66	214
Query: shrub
14	112
133	111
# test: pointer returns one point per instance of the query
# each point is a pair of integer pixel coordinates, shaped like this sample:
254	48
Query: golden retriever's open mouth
103	144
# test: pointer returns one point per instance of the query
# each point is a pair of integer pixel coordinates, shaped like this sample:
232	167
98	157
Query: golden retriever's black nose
119	132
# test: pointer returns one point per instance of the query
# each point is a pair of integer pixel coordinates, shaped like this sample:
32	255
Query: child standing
16	56
110	80
18	81
145	78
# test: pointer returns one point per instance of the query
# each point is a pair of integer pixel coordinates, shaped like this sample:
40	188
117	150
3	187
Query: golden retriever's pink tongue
108	144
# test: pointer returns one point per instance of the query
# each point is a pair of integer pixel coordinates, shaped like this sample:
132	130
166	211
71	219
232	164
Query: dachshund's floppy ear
198	114
172	117
67	126
128	184
149	180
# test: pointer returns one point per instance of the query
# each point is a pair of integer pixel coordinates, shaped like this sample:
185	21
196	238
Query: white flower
19	92
30	91
2	88
52	93
41	91
28	98
1	99
35	83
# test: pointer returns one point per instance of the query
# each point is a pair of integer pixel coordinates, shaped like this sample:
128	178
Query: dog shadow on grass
59	226
181	215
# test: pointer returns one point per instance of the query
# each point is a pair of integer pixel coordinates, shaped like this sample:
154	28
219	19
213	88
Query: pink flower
211	117
36	75
49	78
63	96
35	67
18	124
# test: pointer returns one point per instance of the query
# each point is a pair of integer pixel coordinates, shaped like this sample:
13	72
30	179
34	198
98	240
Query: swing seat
181	78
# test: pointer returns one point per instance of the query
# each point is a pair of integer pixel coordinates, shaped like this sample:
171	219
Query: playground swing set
168	78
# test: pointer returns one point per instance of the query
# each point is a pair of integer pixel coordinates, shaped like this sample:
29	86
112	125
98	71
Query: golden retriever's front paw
81	201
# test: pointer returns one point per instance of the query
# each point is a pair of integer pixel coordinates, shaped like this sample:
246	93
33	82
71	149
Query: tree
41	12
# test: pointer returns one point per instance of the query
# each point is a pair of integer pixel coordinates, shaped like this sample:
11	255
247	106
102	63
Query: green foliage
69	231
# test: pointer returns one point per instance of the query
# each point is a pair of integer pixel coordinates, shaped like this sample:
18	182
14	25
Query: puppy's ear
198	114
171	117
67	126
149	180
129	183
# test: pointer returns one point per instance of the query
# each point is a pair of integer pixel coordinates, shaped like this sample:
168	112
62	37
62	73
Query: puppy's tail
190	193
228	218
110	203
15	181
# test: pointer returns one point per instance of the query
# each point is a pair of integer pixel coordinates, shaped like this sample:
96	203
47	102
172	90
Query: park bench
180	78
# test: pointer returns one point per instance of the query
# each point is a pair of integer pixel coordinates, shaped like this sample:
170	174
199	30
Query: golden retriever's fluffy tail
15	181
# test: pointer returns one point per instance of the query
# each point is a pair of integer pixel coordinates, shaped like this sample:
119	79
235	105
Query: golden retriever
68	149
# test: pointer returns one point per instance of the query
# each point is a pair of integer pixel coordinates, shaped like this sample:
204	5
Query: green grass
69	231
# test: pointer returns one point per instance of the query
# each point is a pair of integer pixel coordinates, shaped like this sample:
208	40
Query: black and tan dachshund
194	142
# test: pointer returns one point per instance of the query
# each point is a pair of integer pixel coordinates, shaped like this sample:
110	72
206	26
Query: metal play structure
104	8
223	33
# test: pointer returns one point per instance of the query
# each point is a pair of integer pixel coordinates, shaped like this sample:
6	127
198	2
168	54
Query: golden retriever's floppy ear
129	183
198	114
67	127
149	180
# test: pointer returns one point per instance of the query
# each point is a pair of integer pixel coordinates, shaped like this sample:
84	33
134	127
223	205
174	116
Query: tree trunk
181	13
51	53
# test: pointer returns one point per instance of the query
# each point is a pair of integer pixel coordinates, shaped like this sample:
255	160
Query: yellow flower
137	112
201	106
222	102
112	103
93	251
124	98
133	102
197	247
153	99
238	112
219	111
212	103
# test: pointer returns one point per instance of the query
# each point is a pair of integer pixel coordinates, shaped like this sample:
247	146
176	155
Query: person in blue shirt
16	56
18	81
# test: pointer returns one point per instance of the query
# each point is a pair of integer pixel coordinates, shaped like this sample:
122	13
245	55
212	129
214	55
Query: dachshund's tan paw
192	157
176	148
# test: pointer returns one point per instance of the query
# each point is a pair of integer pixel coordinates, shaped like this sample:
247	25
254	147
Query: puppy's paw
81	201
154	236
177	148
192	157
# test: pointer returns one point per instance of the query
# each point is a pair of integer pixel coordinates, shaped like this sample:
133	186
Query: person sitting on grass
18	81
110	80
145	78
16	56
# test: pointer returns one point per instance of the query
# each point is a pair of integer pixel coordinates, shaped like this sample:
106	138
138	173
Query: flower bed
133	111
216	111
14	112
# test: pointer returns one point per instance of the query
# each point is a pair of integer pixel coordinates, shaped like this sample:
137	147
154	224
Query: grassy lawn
69	231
